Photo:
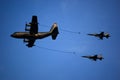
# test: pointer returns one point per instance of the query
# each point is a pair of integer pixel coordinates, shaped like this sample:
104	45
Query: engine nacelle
26	40
27	28
29	24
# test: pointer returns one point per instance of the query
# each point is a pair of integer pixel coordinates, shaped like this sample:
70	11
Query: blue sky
19	62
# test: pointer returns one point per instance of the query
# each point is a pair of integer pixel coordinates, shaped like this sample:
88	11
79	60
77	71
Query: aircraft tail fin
101	58
107	36
54	31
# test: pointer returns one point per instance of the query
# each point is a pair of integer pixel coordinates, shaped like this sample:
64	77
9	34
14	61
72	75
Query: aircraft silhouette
101	35
32	33
94	57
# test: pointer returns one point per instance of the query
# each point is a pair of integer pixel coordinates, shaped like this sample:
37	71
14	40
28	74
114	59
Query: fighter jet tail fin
107	36
54	31
100	58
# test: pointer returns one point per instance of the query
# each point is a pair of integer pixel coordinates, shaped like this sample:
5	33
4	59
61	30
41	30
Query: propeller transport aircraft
101	35
32	33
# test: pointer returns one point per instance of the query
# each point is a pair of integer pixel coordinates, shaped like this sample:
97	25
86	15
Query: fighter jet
101	35
94	57
31	32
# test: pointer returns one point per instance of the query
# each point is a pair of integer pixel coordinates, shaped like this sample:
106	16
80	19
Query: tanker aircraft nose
13	35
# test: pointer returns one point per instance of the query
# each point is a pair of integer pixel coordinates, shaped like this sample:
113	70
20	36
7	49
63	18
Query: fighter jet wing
30	43
34	25
102	33
101	37
94	59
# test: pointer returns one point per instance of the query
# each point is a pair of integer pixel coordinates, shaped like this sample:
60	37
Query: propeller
27	26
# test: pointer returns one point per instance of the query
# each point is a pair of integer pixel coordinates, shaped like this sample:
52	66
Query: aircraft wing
34	25
102	33
94	59
30	43
101	37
